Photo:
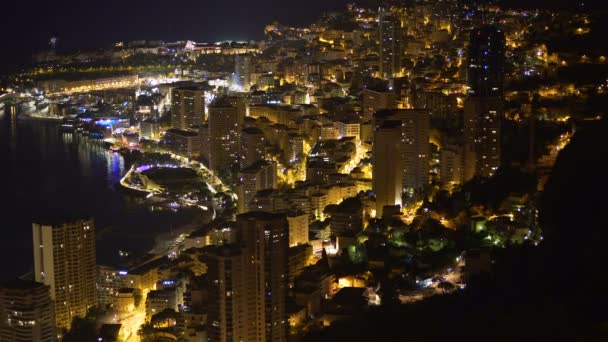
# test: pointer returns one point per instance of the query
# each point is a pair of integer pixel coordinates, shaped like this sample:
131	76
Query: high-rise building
149	129
183	142
187	107
64	259
295	148
483	108
225	121
265	241
387	169
252	146
413	144
391	45
258	176
486	62
160	300
298	228
347	128
26	312
242	104
375	100
228	316
415	147
452	166
482	118
203	132
242	71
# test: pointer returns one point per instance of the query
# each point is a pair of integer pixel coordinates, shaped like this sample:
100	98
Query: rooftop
182	132
20	284
260	215
252	130
256	166
349	295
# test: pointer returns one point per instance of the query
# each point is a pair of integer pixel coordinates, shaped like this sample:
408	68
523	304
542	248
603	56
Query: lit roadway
131	321
214	183
355	160
170	246
454	276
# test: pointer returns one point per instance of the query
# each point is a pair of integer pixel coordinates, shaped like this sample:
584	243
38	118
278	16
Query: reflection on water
91	153
55	174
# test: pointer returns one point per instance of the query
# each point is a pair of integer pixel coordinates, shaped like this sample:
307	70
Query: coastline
25	117
129	191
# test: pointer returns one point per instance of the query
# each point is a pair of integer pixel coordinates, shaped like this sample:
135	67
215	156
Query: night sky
27	26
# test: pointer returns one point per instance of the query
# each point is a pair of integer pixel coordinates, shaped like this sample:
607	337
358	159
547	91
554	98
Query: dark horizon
99	24
400	170
28	26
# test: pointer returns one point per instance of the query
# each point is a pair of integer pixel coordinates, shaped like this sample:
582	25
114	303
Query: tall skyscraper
265	242
229	319
26	312
258	176
225	121
203	132
413	144
187	107
483	108
391	45
486	62
375	100
482	117
242	71
252	146
387	169
64	259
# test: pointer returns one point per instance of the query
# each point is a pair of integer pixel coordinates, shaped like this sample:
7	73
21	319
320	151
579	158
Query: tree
330	210
146	332
82	330
446	286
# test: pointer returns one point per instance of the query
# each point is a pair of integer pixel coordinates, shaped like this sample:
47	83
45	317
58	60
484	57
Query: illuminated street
319	171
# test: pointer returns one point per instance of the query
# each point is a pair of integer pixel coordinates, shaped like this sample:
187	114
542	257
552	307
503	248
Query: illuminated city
387	170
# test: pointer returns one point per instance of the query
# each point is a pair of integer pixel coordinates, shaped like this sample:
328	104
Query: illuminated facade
295	148
64	259
229	318
298	228
160	300
57	87
349	129
27	312
482	117
252	146
413	144
225	121
387	169
258	176
391	45
183	142
375	100
282	114
187	107
483	108
242	72
265	241
149	129
452	166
